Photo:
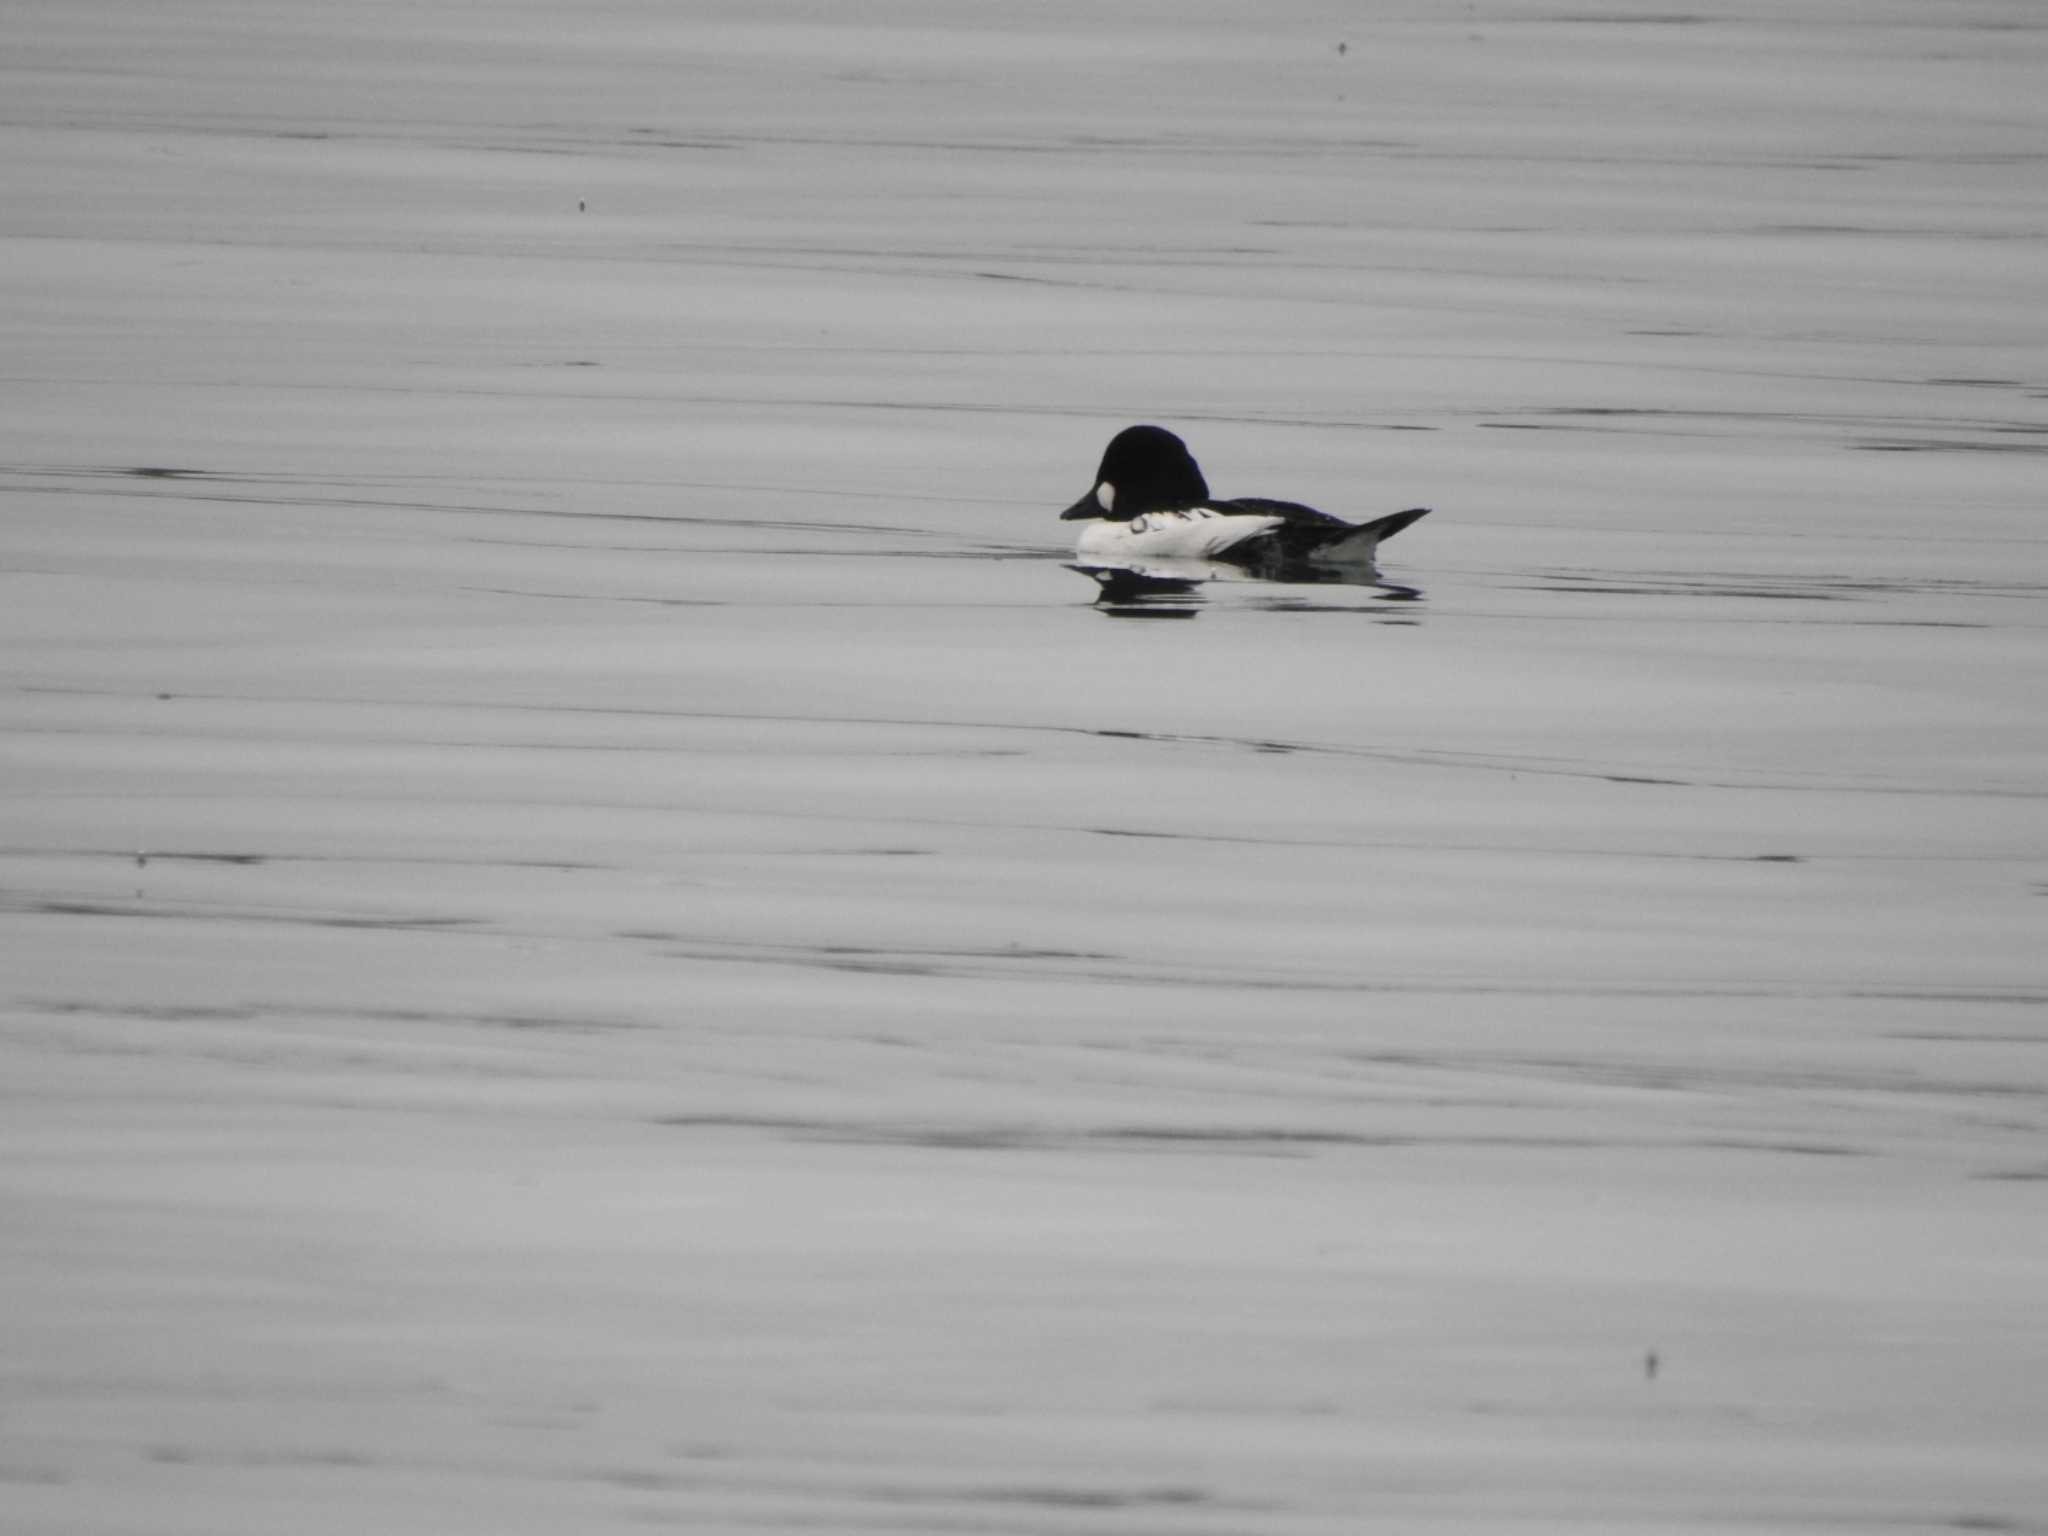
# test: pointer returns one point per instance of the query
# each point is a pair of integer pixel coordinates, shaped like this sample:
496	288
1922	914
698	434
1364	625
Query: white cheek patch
1105	496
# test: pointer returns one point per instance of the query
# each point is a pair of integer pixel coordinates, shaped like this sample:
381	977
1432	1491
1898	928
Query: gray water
599	934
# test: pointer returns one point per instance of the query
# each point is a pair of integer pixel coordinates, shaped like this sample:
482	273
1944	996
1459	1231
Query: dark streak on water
1247	1141
1880	434
1767	584
201	915
147	856
1051	1498
243	1013
1422	757
1934	445
1106	969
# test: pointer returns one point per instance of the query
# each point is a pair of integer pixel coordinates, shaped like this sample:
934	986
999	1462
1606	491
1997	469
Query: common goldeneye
1150	502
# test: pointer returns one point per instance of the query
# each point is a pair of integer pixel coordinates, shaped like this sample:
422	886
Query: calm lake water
601	934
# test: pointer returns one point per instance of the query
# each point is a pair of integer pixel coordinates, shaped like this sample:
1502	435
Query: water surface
600	933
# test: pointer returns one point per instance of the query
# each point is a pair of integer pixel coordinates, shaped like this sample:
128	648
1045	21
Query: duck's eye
1105	496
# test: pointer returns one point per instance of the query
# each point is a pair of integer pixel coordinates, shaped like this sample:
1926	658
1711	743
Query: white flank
1200	534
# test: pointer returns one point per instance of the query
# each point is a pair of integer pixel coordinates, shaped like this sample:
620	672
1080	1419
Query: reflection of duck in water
1151	503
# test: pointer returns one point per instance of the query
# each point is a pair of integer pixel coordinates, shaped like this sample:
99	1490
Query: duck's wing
1305	533
1291	513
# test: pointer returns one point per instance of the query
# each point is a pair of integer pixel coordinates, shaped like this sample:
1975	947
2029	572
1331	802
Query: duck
1149	502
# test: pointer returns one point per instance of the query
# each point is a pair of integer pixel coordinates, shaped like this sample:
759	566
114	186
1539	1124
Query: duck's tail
1359	543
